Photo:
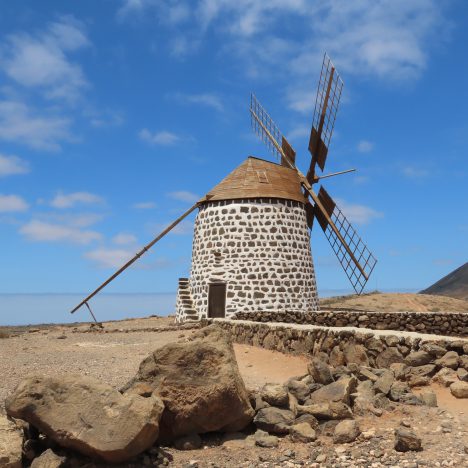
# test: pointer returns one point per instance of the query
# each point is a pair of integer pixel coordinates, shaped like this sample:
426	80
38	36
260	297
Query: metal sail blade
327	100
264	126
354	256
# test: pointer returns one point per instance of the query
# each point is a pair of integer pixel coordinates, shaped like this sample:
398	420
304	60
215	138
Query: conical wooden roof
257	178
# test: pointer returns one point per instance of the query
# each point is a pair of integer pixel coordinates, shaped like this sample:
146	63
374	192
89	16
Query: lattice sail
264	126
329	91
357	273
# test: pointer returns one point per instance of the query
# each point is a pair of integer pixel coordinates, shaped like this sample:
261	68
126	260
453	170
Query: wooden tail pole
138	255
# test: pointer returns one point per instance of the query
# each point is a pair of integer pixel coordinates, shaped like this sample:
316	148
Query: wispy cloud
124	238
184	196
109	257
358	214
41	61
389	39
41	231
12	165
365	146
12	203
162	138
21	124
211	100
412	172
144	205
62	200
75	220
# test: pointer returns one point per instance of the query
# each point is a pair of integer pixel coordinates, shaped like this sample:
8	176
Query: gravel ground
115	353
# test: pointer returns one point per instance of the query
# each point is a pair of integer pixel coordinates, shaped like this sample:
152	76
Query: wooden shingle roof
257	178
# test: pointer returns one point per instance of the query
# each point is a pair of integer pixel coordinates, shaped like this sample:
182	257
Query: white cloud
163	138
12	203
205	99
69	200
12	165
40	231
40	61
20	124
78	220
365	146
299	132
109	258
358	214
184	228
184	196
144	205
414	172
387	39
124	239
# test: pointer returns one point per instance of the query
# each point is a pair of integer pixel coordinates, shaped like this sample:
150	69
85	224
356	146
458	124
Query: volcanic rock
406	439
302	432
339	391
459	389
299	389
11	442
449	359
88	416
356	354
48	459
346	431
384	382
274	420
320	371
418	358
199	383
446	377
275	395
387	357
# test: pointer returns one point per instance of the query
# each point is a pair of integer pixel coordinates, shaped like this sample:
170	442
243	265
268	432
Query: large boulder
86	415
199	383
11	443
339	391
418	358
384	382
406	439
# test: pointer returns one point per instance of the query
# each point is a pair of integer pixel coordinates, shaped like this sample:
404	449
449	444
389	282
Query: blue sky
115	116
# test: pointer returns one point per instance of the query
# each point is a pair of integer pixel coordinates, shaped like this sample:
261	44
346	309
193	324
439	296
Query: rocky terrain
395	302
331	410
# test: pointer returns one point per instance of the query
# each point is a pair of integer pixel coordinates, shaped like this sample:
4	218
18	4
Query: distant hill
455	284
395	302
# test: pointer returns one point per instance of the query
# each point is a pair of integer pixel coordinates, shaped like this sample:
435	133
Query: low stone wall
438	323
381	348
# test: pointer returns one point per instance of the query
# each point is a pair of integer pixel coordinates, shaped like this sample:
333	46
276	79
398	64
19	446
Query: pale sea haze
24	309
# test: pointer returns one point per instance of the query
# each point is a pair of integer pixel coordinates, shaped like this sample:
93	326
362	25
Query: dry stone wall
337	345
447	323
260	249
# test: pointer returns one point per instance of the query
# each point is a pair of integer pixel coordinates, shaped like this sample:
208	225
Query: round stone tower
251	247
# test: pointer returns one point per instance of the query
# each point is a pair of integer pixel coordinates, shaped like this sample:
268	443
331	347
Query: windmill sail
326	106
354	256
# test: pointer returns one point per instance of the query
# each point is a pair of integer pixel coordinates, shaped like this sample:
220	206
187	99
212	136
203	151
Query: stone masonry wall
448	323
261	249
381	347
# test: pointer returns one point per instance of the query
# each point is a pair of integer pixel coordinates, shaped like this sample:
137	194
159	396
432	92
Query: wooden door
217	300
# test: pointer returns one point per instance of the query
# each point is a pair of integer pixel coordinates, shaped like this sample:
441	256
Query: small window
262	177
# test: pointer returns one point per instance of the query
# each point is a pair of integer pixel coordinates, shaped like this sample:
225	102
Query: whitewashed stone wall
260	249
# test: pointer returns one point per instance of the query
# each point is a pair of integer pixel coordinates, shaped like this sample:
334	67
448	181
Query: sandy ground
114	356
396	302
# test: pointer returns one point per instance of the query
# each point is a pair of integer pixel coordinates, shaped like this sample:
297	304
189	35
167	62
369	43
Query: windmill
251	246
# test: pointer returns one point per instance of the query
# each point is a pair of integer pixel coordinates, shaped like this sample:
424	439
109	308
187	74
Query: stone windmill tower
251	244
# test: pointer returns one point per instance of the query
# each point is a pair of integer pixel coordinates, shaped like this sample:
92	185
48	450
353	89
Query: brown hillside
396	302
455	284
